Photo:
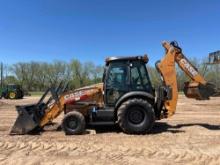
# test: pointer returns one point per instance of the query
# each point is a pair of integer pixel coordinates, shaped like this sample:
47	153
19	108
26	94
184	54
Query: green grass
36	93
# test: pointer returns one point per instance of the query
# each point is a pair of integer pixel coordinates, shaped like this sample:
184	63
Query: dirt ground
191	136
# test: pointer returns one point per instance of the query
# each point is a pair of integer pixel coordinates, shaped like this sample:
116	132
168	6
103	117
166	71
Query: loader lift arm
36	116
30	116
198	88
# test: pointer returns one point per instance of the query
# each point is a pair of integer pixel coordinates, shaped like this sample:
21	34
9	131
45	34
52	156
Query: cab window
139	77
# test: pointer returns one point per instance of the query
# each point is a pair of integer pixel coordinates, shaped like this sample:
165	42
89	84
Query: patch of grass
36	93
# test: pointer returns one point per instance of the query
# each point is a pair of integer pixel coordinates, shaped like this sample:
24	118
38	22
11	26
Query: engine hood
94	86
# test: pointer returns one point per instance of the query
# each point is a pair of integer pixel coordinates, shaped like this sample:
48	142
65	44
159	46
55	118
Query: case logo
189	67
74	96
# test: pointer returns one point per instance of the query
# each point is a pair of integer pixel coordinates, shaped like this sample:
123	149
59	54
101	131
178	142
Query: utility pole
1	75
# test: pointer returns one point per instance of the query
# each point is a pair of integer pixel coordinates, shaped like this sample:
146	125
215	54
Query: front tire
136	116
73	123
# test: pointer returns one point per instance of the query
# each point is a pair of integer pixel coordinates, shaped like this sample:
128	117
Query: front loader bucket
198	91
30	116
27	120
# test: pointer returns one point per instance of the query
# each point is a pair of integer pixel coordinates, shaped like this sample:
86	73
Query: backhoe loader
125	97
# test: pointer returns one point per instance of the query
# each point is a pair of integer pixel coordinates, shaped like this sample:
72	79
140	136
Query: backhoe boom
198	88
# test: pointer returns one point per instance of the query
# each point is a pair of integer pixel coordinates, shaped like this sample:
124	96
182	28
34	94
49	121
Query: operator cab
13	86
123	75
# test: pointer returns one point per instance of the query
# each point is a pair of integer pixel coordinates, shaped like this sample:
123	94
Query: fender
135	94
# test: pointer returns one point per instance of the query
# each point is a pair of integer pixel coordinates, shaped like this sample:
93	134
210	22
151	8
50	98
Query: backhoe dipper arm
197	89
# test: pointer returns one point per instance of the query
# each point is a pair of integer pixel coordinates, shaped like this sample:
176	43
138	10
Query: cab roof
143	58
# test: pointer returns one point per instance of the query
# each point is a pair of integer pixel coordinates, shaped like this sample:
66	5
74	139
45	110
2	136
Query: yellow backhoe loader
126	97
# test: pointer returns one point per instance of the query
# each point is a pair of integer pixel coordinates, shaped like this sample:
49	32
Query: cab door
116	82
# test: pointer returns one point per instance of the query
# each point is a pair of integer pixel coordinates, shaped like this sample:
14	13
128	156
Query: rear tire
12	95
136	116
73	123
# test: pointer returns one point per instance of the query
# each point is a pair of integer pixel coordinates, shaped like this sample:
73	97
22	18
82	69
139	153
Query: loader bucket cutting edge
26	121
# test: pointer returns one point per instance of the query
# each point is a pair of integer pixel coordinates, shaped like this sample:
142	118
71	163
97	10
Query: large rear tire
136	116
73	123
12	95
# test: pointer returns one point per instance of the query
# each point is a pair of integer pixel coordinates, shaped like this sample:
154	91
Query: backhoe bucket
198	91
27	120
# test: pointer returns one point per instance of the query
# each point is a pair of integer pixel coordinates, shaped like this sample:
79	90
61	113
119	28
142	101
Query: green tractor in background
11	91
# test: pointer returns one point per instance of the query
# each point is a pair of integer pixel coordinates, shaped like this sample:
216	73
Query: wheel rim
12	95
136	115
72	123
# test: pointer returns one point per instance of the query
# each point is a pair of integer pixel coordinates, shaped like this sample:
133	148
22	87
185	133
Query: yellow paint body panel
87	94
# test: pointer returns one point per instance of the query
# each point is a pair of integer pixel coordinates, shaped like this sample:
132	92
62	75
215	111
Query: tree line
38	76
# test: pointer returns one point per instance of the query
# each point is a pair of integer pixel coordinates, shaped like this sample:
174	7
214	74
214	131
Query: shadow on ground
159	127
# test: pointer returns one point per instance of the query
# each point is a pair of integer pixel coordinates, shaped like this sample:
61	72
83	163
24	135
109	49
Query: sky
91	30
